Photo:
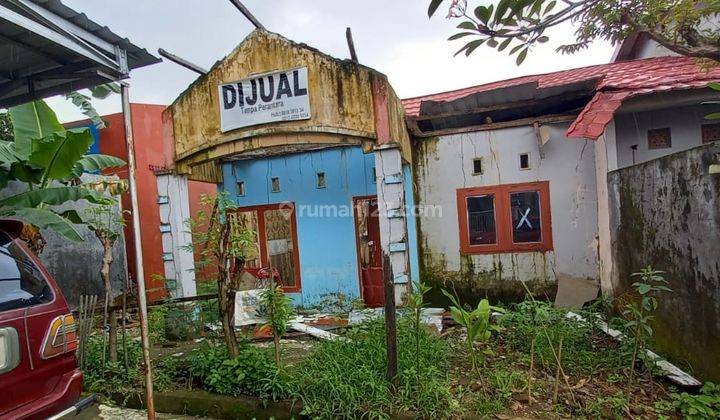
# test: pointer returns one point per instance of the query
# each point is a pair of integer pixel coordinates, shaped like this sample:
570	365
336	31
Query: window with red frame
505	218
275	230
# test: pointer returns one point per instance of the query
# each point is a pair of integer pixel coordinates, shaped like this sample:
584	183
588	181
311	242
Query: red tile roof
616	83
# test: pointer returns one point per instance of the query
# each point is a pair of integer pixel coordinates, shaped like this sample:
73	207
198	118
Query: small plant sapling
416	303
223	243
638	315
478	324
106	222
279	311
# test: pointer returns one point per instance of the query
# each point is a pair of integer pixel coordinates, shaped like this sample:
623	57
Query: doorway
367	236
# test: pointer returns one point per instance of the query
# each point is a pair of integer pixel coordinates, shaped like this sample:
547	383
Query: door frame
356	222
262	237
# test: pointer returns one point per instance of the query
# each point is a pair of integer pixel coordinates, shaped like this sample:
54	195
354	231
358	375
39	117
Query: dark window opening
241	188
524	161
710	132
21	282
477	166
525	211
659	138
481	220
321	179
275	185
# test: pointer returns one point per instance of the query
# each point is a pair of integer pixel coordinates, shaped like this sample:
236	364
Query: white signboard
269	97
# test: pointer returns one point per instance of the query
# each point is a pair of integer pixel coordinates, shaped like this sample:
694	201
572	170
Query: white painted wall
391	216
175	241
685	130
649	48
445	165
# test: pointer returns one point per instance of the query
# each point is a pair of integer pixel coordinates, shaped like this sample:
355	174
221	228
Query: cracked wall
444	164
666	213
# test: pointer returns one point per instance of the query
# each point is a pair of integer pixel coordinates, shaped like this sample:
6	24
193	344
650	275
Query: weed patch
347	378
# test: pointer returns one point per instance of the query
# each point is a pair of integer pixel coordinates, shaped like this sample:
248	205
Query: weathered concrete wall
666	213
342	98
685	132
327	245
76	265
443	165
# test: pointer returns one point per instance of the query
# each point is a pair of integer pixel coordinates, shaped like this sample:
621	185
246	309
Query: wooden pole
140	276
181	61
390	321
246	12
351	45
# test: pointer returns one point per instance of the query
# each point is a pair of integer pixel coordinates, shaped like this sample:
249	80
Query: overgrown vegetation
478	326
705	405
538	363
278	308
251	372
638	314
346	378
223	242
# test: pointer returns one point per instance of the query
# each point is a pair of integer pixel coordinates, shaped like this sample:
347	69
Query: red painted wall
150	154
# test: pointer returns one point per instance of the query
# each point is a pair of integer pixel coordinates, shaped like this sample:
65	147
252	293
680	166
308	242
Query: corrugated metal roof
47	48
137	56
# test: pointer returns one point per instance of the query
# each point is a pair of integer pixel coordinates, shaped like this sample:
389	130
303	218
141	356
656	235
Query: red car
39	377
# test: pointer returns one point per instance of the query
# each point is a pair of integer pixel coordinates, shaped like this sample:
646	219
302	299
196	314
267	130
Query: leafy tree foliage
48	159
686	27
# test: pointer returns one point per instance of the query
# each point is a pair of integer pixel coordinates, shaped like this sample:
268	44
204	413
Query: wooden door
367	227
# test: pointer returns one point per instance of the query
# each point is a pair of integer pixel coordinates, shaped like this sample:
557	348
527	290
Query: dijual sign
269	97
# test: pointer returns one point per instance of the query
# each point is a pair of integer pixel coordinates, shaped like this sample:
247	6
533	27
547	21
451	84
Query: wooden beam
181	61
351	44
554	118
246	12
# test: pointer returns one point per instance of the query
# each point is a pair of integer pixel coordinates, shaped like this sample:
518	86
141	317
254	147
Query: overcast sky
394	37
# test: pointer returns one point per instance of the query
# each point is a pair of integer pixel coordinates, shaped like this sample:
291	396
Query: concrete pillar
178	258
391	208
605	161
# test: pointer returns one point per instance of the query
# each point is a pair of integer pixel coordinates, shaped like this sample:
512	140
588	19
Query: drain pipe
140	276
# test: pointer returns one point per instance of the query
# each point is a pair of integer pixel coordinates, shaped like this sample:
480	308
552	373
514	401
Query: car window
21	282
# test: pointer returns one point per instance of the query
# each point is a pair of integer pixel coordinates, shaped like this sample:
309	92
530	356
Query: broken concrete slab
574	292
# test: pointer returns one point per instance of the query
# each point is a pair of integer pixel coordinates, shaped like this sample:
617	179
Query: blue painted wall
326	235
411	223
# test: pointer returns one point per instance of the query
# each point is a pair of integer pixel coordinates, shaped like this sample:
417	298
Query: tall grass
347	378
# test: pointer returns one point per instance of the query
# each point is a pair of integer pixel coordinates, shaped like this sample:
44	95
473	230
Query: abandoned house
315	153
554	180
574	178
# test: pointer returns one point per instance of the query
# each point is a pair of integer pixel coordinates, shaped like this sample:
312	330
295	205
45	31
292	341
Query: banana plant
48	158
478	324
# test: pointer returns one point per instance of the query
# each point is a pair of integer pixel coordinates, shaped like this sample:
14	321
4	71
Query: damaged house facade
564	182
315	153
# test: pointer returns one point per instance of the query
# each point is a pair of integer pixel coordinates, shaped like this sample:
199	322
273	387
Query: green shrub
251	373
156	325
112	376
705	405
346	378
581	353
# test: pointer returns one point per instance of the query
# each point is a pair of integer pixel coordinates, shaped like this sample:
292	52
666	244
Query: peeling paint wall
341	94
444	164
666	213
325	220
